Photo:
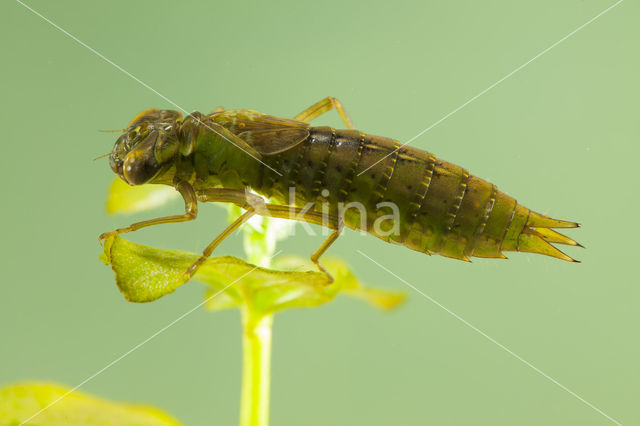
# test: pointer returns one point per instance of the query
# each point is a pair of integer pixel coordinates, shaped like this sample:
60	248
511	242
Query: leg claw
105	235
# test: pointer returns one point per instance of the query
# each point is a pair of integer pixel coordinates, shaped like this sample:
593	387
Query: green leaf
144	274
349	284
123	198
20	401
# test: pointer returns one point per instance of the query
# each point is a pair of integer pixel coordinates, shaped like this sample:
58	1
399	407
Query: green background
561	135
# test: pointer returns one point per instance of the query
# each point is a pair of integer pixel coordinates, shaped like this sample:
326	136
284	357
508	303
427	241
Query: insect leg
211	247
325	105
325	245
256	205
332	222
247	200
190	212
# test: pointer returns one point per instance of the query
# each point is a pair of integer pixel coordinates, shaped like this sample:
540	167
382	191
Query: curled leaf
21	401
123	198
144	274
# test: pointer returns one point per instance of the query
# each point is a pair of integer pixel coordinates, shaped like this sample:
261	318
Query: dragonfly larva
328	177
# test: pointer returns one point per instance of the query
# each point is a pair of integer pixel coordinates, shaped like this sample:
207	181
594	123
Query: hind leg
315	257
325	105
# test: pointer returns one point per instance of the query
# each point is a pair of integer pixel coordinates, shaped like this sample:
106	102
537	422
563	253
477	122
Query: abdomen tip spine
538	237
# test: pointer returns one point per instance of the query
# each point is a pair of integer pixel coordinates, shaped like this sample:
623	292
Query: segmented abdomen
440	206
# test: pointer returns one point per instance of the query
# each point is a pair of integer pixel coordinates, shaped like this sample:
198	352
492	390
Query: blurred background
560	135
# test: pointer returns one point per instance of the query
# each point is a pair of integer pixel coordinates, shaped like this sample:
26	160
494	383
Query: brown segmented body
443	209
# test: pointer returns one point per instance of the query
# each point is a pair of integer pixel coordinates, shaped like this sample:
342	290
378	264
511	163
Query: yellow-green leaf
123	198
21	401
144	274
349	284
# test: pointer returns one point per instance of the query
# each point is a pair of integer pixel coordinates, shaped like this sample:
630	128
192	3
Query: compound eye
113	163
140	165
118	152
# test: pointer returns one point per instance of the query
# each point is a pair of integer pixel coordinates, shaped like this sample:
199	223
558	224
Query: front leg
190	212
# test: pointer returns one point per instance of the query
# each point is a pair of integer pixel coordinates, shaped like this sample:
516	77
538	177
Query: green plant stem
256	370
